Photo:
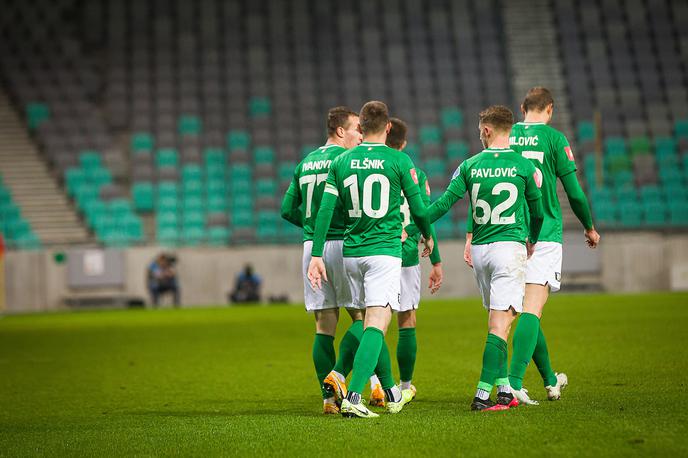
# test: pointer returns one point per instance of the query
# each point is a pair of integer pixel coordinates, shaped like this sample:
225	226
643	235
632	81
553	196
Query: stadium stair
36	192
534	58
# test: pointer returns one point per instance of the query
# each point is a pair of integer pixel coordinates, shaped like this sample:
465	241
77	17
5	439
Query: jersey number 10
351	182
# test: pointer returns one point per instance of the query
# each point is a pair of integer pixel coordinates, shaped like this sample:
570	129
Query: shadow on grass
238	408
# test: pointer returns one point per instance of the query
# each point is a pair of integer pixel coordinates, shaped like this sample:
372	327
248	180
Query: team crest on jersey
569	152
456	172
414	175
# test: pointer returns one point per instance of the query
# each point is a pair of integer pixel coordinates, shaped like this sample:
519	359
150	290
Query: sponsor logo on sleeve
427	188
569	152
414	175
538	178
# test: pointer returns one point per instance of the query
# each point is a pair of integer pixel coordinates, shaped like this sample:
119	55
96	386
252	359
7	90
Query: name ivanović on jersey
316	165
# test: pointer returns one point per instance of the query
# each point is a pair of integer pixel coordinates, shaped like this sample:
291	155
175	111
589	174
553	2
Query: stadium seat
260	106
90	161
189	125
655	213
413	152
586	131
615	145
218	236
451	117
457	151
142	141
630	214
681	128
430	135
264	155
238	139
665	146
142	194
37	113
167	157
678	213
640	145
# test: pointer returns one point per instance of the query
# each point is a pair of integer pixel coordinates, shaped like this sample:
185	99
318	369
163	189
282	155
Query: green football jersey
498	182
309	183
550	152
409	249
368	181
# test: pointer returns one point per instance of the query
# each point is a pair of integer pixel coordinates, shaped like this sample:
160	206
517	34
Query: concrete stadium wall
625	262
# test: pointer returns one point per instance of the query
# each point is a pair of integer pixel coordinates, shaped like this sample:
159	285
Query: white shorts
335	291
410	288
544	266
374	280
500	270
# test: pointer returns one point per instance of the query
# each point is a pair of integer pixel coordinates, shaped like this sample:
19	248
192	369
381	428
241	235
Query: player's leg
380	283
407	346
499	269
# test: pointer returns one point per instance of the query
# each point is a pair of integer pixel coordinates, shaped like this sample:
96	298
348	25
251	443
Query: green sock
348	347
323	358
383	370
502	380
366	358
406	353
495	350
525	338
541	358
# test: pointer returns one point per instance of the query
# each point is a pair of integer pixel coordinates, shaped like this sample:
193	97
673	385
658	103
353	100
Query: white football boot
359	410
554	392
523	398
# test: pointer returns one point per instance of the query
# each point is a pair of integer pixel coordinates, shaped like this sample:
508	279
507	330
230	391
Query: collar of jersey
523	123
324	147
371	144
497	150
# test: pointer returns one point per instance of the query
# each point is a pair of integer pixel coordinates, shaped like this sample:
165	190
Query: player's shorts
335	291
544	266
500	270
374	280
410	288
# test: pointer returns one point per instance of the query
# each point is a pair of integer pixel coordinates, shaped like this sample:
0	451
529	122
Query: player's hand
530	249
404	235
317	272
429	246
467	254
436	276
592	238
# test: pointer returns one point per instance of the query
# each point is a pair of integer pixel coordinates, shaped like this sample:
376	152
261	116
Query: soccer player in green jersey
410	279
368	181
300	207
550	152
501	186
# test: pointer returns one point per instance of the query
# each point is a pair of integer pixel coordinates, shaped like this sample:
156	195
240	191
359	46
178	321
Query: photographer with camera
162	278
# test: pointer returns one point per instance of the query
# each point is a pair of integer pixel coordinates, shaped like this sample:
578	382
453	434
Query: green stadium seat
193	203
614	145
670	176
133	228
142	141
240	186
217	203
94	211
119	208
445	228
457	151
622	178
90	160
626	194
242	201
268	223
216	172
84	194
168	189
630	214
430	135
192	172
681	128
285	171
142	194
605	213
242	217
189	125
193	216
678	213
640	145
259	106
167	219
215	187
167	204
413	151
192	188
36	114
167	235
435	168
99	177
239	171
264	155
651	194
238	139
18	228
5	196
193	235
215	156
602	194
665	146
167	157
452	117
668	161
74	177
113	237
29	241
266	188
586	131
655	213
218	236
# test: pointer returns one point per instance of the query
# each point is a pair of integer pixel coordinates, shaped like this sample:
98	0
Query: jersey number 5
311	181
494	216
352	183
536	156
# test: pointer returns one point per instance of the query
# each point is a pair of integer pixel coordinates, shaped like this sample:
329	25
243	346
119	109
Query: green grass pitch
239	381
